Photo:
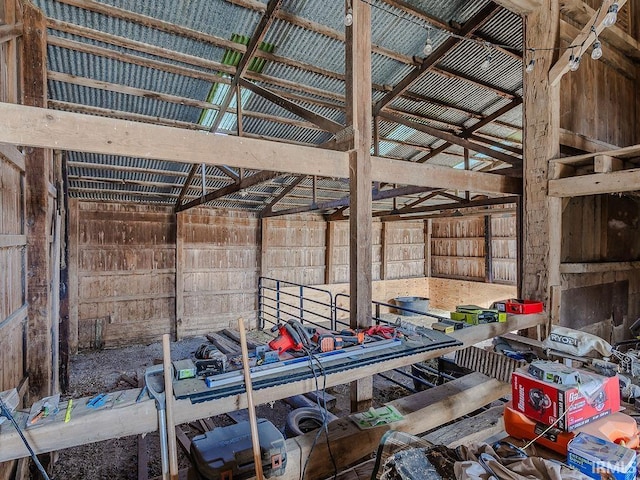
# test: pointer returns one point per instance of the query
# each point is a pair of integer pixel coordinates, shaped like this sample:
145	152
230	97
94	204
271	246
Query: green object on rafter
233	57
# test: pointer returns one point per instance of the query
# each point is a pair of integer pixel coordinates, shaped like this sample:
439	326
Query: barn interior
168	167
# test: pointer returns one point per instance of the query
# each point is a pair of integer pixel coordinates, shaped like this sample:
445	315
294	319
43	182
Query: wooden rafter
258	34
453	139
467	132
583	41
316	119
253	180
476	22
344	201
269	207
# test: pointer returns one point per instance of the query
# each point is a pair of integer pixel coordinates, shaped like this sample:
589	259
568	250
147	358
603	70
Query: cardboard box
598	458
574	405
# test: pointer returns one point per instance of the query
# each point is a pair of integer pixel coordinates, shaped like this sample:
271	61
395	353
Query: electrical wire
324	427
484	43
5	411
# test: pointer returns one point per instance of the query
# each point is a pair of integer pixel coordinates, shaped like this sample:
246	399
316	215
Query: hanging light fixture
428	47
596	53
531	66
574	63
612	15
348	18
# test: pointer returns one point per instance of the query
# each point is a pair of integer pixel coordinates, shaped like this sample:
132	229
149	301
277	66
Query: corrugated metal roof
392	29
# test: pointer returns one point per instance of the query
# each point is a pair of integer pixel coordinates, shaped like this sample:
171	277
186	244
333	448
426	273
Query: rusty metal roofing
460	90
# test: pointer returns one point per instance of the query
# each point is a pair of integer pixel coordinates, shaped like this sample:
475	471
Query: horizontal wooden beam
451	206
584	143
597	267
37	127
522	7
343	202
131	418
12	240
596	183
9	32
625	152
19	315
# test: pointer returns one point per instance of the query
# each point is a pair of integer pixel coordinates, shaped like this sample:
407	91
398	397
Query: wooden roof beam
485	121
453	139
476	22
269	207
344	201
521	7
322	122
581	13
584	39
258	34
253	180
45	128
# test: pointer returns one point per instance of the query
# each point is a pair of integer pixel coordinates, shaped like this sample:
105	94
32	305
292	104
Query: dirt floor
108	370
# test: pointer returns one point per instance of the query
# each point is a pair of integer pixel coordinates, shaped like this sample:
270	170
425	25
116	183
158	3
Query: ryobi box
598	458
226	453
574	405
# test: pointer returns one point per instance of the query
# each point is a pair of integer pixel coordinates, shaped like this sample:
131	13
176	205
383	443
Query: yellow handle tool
67	415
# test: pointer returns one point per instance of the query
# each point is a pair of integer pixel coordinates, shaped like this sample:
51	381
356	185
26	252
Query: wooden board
132	418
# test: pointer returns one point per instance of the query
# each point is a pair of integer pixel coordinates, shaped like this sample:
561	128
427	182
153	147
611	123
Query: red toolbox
574	405
519	306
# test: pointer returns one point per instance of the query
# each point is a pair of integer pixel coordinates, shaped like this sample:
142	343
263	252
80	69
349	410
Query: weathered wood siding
601	228
12	276
458	249
126	274
402	244
294	249
504	249
220	270
341	252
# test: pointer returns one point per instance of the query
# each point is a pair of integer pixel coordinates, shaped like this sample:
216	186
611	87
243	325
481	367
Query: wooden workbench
130	418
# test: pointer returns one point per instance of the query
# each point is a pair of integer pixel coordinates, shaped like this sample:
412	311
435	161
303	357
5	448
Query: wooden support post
488	254
9	80
607	164
542	219
358	95
38	162
329	243
264	246
384	254
180	234
428	229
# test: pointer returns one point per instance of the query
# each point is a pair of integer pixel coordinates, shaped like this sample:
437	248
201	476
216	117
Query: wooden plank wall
126	273
504	246
12	276
446	293
403	246
458	248
602	228
340	252
220	270
294	249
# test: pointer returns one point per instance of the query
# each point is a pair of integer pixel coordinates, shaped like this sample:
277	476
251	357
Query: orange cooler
617	427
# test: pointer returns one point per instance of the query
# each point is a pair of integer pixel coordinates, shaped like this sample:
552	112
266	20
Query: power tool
292	336
330	342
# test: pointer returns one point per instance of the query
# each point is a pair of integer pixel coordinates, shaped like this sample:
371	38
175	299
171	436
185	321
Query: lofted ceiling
176	62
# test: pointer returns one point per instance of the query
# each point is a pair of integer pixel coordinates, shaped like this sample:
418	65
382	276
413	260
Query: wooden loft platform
87	426
612	171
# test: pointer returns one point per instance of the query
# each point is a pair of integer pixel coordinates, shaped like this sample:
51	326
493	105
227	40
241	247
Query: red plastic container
522	306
